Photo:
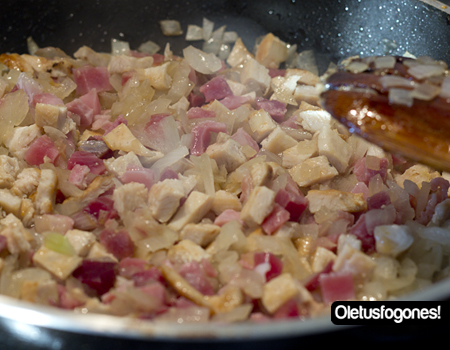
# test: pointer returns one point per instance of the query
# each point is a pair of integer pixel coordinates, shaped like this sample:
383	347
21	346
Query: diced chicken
186	251
253	71
320	259
201	234
271	51
27	182
307	93
393	239
353	261
278	291
10	203
334	200
46	192
60	265
262	174
9	167
417	173
332	146
303	76
350	239
259	204
224	200
278	141
118	166
192	211
300	152
283	89
21	138
239	54
18	238
50	115
129	197
227	153
159	76
228	299
314	120
121	139
164	198
27	212
81	241
99	252
312	171
261	124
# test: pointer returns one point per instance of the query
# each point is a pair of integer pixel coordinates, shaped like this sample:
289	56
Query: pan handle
437	4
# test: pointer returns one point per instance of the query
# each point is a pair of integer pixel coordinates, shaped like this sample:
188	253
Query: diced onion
32	46
149	47
426	92
194	33
423	71
385	62
445	88
119	47
400	97
206	63
357	67
389	81
208	27
171	27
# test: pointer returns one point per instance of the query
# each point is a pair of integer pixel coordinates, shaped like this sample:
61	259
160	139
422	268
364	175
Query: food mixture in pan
209	186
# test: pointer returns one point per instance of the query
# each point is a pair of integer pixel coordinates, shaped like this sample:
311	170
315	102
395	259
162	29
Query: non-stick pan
334	29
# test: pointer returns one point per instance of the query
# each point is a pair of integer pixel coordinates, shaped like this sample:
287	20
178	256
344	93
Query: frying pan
335	29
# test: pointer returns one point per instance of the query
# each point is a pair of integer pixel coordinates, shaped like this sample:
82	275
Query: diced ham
88	78
139	174
295	204
168	173
288	310
233	102
196	277
108	126
66	300
86	107
197	112
127	76
156	291
243	138
202	135
336	287
361	187
3	243
275	219
157	59
378	200
148	276
130	266
364	174
78	175
47	98
216	89
118	243
101	208
196	98
95	164
313	282
360	231
268	263
29	85
275	108
227	216
291	122
39	149
98	275
275	72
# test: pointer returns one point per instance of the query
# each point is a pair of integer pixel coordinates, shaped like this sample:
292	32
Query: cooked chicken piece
60	265
9	167
261	124
164	197
227	153
99	252
253	71
303	76
50	115
192	211
123	63
307	93
27	212
305	106
18	238
278	141
278	291
418	173
332	146
228	299
129	197
81	241
121	139
258	205
314	120
118	166
271	51
40	292
320	259
262	174
300	152
201	233
10	203
20	138
27	182
224	200
159	76
46	192
360	265
350	239
312	171
334	200
186	251
393	239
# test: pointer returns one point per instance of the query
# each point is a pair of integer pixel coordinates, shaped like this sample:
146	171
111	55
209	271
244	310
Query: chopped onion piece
445	88
119	47
212	45
357	67
149	47
423	71
206	63
307	60
230	37
208	28
224	51
389	81
385	62
400	97
171	27
194	33
32	46
170	158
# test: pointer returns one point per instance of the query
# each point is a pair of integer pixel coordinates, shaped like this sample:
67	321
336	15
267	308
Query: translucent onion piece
194	33
385	62
423	71
171	27
307	60
357	67
426	92
32	46
119	47
149	47
208	28
445	88
389	81
170	158
13	110
206	63
400	97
